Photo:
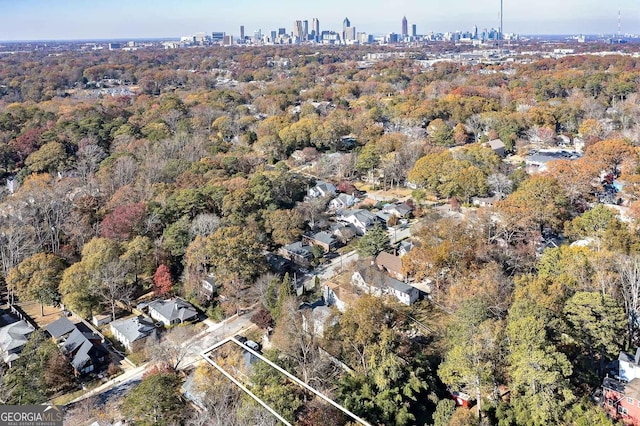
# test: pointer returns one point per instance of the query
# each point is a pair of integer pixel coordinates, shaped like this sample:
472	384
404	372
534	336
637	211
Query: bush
113	370
215	313
262	318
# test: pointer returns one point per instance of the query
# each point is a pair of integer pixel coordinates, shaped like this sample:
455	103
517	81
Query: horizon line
173	38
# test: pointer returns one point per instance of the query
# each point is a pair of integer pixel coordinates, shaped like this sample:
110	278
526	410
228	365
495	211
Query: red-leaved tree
162	280
123	221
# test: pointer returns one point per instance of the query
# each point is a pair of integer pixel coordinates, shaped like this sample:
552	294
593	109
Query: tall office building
241	32
345	24
414	31
315	24
282	31
405	27
298	30
305	30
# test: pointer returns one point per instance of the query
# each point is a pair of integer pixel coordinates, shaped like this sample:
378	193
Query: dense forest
199	164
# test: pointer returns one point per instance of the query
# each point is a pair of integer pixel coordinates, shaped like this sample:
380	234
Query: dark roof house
298	252
60	328
85	351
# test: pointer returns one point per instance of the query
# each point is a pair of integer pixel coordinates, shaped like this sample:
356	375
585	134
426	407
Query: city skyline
43	20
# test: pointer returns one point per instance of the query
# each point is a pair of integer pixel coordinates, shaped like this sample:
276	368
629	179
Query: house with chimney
361	219
379	284
132	332
322	189
390	264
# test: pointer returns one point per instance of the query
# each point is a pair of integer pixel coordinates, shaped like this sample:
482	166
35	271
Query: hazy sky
81	19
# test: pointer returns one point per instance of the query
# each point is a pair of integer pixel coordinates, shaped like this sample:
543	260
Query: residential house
172	311
209	287
343	201
344	233
298	252
390	264
360	218
13	337
538	162
278	264
378	284
322	189
323	239
131	332
339	295
405	247
498	147
622	400
60	329
629	366
485	201
399	210
85	351
621	393
316	316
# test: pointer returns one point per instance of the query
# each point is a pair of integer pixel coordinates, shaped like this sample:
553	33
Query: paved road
212	335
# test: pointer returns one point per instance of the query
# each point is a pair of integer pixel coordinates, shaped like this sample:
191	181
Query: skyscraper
241	33
501	21
405	27
315	24
414	31
298	30
305	30
345	24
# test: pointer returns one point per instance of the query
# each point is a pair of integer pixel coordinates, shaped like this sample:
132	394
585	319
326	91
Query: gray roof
364	216
406	246
174	309
76	339
299	248
81	348
627	357
15	335
324	237
497	144
401	208
60	328
373	277
135	328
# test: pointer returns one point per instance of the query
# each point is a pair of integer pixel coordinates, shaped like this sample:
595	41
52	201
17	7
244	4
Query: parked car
252	345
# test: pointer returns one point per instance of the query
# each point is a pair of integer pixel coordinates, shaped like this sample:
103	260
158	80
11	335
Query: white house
342	201
322	189
172	311
379	284
13	337
131	330
629	366
361	219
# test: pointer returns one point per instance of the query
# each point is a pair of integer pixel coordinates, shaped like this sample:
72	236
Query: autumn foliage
162	282
123	221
